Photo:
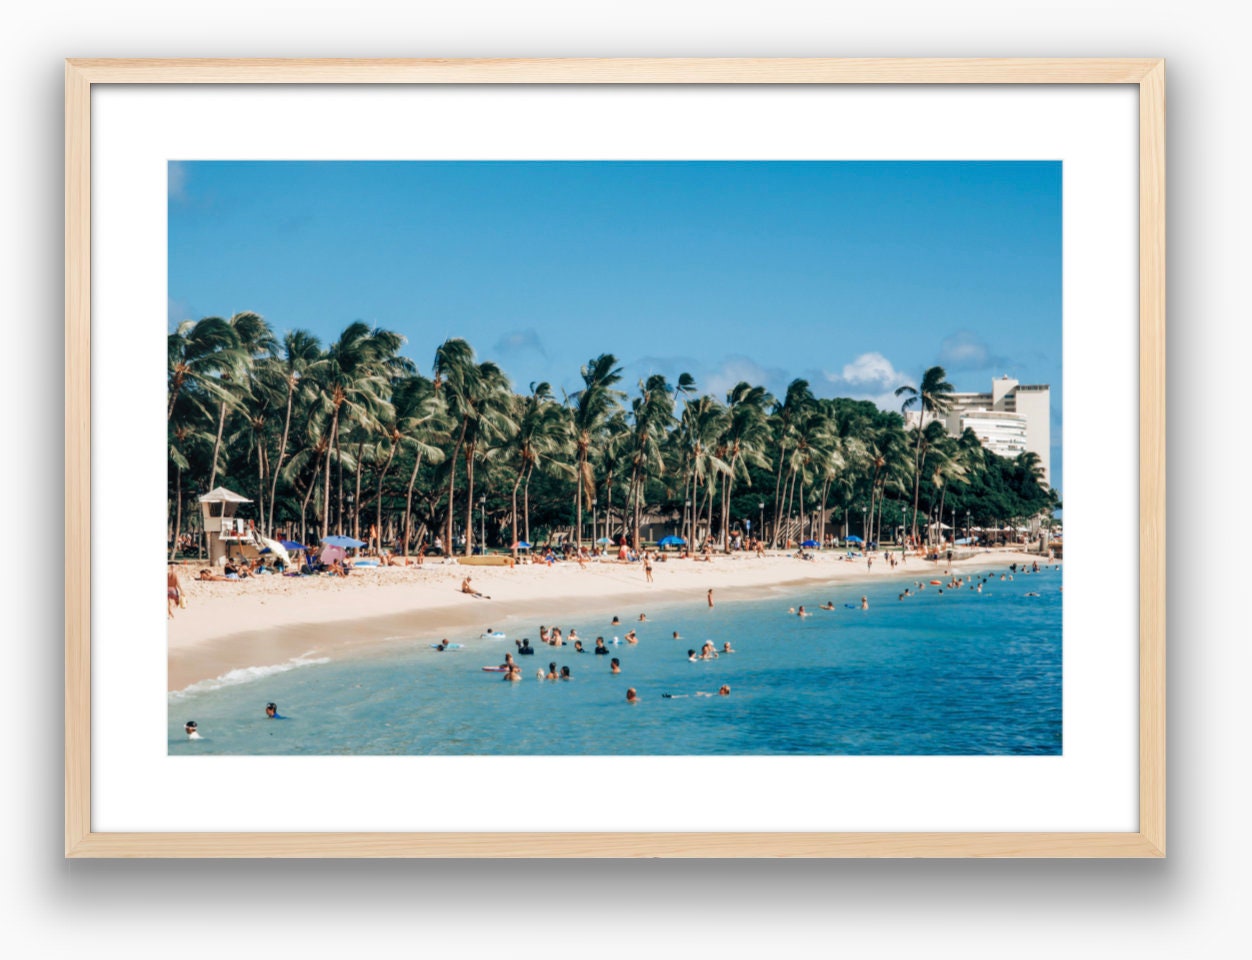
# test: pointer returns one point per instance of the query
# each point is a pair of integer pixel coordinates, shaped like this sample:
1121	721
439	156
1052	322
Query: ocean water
960	672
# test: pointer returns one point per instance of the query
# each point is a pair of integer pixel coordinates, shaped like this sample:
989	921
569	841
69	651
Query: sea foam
247	675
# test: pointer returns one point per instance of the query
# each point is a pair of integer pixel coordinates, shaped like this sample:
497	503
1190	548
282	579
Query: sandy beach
266	620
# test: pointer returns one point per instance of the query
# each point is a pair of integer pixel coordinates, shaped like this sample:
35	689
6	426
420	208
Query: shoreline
266	621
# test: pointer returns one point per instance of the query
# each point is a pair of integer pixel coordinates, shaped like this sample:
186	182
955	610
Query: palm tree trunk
526	501
178	509
456	452
330	439
217	444
578	511
338	485
378	507
782	456
408	503
513	518
469	498
282	453
356	500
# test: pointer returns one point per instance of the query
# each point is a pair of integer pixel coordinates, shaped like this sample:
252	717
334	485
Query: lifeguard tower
222	528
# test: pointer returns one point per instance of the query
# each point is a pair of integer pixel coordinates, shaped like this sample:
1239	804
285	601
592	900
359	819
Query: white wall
1189	905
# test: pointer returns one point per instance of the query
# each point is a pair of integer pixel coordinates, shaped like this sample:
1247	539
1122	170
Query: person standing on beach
173	590
647	566
710	598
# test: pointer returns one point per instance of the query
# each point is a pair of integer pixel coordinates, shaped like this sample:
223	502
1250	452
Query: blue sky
855	275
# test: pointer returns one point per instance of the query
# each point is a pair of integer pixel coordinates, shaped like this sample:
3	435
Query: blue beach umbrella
345	542
853	538
670	542
290	545
521	545
604	540
809	543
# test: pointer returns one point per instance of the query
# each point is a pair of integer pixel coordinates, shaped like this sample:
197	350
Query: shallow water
952	673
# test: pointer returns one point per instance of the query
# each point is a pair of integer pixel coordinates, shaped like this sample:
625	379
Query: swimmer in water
865	603
514	675
631	696
442	644
691	656
271	712
192	732
578	647
565	674
615	622
828	605
631	638
643	618
600	647
727	648
551	672
676	636
802	612
539	674
724	691
615	665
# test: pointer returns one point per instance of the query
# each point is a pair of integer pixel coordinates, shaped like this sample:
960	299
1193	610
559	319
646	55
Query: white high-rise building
1012	418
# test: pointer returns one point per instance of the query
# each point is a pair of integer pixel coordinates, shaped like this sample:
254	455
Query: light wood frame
1147	841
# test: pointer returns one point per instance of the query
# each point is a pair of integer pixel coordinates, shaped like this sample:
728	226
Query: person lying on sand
207	574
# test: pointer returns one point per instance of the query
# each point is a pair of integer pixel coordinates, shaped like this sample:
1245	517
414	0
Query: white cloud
720	380
871	368
965	350
871	376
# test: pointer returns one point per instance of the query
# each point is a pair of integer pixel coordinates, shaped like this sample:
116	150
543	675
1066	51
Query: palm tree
300	350
591	407
932	398
353	378
744	442
703	422
199	351
419	424
475	396
541	432
651	417
797	399
255	340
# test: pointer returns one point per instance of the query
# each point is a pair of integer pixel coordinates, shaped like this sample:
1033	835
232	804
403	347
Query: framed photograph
615	458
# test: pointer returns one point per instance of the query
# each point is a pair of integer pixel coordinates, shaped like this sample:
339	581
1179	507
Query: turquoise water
954	673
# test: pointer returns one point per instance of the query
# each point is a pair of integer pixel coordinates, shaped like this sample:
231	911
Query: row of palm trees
349	434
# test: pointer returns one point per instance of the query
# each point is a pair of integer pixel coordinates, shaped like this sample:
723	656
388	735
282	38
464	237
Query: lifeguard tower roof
222	495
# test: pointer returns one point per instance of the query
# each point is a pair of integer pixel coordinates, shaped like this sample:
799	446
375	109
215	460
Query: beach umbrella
604	540
331	553
290	545
520	545
809	543
345	542
671	542
853	538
